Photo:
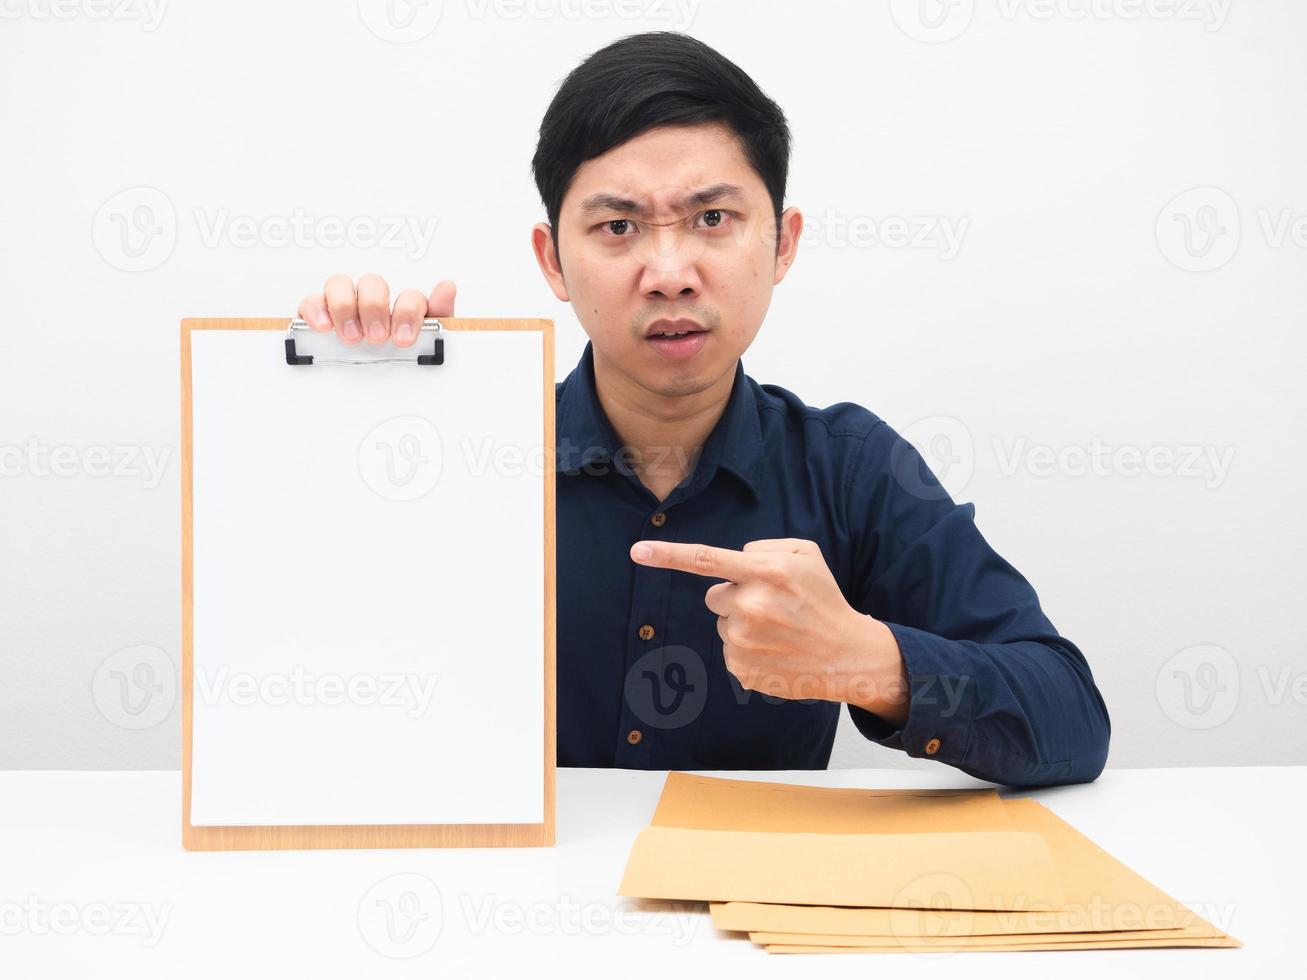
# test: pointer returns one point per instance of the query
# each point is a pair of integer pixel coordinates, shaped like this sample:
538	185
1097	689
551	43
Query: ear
790	231
542	243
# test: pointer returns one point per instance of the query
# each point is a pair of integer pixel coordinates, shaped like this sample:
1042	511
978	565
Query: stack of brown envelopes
807	869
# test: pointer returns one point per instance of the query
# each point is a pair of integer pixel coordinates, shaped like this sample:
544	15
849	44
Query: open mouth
676	339
673	328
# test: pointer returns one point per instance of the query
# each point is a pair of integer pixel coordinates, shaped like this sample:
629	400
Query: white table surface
94	882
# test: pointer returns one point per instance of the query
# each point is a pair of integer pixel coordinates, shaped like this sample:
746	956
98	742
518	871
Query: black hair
658	78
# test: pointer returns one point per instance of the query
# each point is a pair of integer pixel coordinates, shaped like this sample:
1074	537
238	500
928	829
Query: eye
618	227
714	218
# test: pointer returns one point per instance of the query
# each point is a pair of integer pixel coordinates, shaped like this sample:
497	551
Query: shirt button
646	632
634	736
659	519
932	746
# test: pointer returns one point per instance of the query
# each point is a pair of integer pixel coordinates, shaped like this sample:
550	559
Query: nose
670	264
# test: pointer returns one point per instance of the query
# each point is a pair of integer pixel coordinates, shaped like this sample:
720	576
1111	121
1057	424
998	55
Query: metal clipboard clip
431	327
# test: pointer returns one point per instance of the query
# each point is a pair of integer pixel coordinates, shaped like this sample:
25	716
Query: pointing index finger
698	559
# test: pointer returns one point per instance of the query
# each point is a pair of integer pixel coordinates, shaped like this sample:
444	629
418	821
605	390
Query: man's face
672	231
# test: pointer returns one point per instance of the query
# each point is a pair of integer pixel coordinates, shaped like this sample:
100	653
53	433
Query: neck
664	433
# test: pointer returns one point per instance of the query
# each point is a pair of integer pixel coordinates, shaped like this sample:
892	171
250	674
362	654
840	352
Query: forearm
1021	712
995	690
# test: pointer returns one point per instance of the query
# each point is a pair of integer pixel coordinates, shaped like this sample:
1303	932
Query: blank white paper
368	547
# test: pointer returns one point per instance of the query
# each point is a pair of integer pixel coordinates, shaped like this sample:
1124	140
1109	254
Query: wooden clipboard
281	835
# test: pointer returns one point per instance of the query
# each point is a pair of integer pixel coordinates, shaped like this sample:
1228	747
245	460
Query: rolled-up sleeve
995	690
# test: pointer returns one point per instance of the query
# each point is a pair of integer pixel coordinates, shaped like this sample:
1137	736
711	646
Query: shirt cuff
940	710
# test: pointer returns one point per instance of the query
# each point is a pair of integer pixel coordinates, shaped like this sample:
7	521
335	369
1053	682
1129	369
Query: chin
679	380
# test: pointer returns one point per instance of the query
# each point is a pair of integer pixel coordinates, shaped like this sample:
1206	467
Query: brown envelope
1013	948
1006	870
712	803
1104	904
971	942
1102	895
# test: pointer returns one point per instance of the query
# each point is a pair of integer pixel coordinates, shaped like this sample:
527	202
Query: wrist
876	678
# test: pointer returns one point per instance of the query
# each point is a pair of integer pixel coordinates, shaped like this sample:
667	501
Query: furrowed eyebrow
715	193
610	202
624	205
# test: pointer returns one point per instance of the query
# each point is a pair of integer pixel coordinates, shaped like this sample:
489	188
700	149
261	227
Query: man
733	564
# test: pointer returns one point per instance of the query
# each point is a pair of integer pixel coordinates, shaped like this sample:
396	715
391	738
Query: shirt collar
586	437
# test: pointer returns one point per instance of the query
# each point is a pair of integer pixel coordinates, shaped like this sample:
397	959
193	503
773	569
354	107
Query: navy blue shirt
642	683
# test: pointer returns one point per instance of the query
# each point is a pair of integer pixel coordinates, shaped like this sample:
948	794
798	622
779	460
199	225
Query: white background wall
1065	146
